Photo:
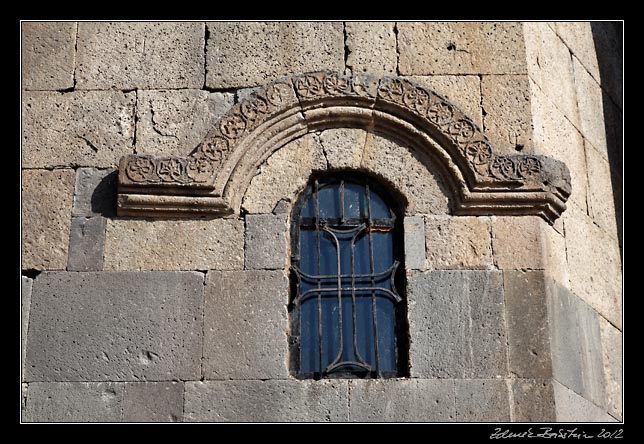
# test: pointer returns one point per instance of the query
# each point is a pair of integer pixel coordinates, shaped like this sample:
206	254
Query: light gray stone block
571	407
266	241
245	325
526	307
371	47
458	242
80	128
153	402
456	324
240	54
86	244
25	297
143	55
95	193
115	326
48	55
267	401
74	402
414	243
343	147
576	344
612	354
533	400
482	400
402	400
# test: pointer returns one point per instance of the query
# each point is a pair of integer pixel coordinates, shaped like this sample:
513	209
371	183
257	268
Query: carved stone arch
212	180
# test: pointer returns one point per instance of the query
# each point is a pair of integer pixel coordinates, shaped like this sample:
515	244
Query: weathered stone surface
46	210
74	402
80	128
458	242
144	55
578	37
550	66
371	47
153	402
245	325
571	407
594	265
590	104
174	245
601	202
407	400
343	147
576	344
95	193
482	400
612	355
508	114
252	53
266	241
25	298
86	244
526	308
533	400
115	326
608	38
528	242
267	401
409	171
414	243
555	136
461	48
48	55
24	388
175	122
283	175
456	324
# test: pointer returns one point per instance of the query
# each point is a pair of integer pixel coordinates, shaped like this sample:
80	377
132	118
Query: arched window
348	316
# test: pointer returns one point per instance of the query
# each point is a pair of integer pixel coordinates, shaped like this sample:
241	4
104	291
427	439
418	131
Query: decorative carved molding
213	179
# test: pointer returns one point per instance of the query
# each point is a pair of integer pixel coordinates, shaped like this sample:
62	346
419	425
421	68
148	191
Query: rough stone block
283	175
590	104
601	195
550	66
456	324
463	91
533	400
253	53
80	128
95	193
461	48
115	326
555	136
526	308
576	346
371	47
175	122
608	38
46	210
458	242
267	401
343	147
266	241
86	244
143	55
406	400
245	325
414	243
482	400
571	407
25	303
611	339
578	37
174	245
410	172
153	402
48	55
74	402
508	114
594	265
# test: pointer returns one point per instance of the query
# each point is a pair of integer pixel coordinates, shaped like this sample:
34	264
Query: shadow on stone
103	199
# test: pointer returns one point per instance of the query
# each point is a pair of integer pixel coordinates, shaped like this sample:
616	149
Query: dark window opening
348	314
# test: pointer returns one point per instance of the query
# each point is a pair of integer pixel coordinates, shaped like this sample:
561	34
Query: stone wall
140	319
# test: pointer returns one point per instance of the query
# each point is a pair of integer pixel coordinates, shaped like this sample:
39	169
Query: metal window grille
348	319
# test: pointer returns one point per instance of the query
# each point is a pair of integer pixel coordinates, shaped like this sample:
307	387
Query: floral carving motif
529	167
274	94
364	85
214	148
417	99
170	169
392	90
336	84
461	130
479	152
503	168
200	170
232	126
253	108
139	169
309	86
440	113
